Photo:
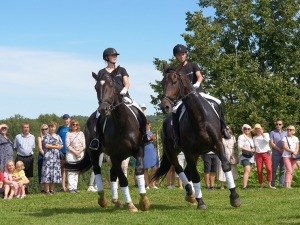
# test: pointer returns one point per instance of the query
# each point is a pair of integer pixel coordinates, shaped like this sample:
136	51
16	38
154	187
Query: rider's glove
196	85
124	91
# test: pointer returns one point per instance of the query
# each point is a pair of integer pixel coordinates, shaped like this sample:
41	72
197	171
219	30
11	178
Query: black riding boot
175	121
223	124
95	143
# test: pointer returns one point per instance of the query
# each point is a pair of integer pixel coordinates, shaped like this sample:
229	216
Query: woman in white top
246	152
262	156
75	142
290	144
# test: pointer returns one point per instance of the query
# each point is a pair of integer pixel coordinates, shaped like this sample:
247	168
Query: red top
1	176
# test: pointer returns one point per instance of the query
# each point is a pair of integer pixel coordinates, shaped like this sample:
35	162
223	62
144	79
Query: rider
193	73
122	86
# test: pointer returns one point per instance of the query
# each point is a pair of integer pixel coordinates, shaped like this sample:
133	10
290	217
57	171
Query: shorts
210	163
245	162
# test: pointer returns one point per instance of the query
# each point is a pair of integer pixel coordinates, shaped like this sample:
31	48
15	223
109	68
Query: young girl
19	177
10	186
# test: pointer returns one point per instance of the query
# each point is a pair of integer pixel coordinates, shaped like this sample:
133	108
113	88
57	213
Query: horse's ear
165	67
95	75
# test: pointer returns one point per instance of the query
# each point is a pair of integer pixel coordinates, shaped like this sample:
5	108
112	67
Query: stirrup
145	138
94	145
226	134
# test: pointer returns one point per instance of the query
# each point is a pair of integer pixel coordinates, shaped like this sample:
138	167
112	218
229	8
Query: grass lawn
280	206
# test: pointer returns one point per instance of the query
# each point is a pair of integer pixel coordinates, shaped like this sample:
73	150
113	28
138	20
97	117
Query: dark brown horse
121	137
200	133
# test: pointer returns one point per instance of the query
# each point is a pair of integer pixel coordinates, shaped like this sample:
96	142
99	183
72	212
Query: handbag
293	156
247	154
233	159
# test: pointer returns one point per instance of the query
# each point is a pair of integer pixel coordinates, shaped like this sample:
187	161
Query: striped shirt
24	144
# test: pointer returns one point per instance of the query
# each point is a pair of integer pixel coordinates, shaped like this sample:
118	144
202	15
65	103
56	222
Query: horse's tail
165	163
82	165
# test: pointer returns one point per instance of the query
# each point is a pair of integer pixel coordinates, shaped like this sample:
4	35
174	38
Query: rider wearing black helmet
122	85
193	73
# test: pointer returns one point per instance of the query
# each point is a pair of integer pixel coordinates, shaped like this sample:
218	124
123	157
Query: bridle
174	101
111	101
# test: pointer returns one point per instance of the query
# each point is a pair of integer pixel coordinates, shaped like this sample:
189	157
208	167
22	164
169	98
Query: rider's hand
196	85
124	91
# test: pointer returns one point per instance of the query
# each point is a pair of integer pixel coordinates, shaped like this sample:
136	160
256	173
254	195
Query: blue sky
48	50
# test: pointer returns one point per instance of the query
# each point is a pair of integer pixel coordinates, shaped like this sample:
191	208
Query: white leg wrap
141	183
183	178
125	191
198	193
114	190
229	179
99	183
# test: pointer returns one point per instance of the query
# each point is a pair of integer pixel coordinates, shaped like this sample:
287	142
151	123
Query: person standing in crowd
246	144
43	131
143	108
150	158
290	144
51	171
6	147
261	143
182	163
62	132
276	137
24	144
229	146
210	169
75	142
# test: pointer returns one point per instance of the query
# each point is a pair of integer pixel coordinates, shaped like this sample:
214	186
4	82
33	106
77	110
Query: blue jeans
277	160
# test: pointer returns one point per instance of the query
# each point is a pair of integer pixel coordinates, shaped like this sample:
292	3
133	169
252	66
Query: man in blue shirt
277	150
62	132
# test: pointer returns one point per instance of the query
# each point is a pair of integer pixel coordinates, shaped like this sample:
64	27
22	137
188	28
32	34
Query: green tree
248	53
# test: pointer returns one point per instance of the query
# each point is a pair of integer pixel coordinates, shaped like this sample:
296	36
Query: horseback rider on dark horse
193	73
122	84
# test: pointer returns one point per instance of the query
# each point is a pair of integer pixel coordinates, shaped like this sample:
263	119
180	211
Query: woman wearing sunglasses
43	131
290	145
247	150
75	143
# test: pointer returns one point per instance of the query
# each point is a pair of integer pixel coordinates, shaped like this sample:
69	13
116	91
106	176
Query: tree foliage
248	53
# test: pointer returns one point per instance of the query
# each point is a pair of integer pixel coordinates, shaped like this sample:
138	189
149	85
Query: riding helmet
179	49
108	52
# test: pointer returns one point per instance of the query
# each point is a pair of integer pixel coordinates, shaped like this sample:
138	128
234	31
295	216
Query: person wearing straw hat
6	147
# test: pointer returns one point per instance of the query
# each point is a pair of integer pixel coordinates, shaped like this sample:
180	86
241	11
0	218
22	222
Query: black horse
200	133
121	137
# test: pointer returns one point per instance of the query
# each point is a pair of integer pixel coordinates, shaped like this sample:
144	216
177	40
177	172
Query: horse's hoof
102	201
201	207
191	199
131	207
235	202
201	204
117	203
144	203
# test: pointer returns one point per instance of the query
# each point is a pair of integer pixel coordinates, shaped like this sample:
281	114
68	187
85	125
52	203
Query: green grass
280	206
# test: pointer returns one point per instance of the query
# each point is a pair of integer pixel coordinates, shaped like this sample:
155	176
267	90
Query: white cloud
35	82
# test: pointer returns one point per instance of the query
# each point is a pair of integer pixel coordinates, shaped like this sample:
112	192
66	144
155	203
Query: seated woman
1	184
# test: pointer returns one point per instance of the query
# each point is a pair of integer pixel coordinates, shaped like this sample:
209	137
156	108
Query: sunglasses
279	124
247	129
3	128
45	129
289	129
75	125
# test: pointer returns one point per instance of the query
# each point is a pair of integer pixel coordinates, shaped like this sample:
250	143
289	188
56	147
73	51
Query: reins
175	101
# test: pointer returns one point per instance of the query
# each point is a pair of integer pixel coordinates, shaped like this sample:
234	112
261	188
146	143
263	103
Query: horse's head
105	93
175	86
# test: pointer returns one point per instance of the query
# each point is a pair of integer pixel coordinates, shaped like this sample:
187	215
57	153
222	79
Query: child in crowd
19	177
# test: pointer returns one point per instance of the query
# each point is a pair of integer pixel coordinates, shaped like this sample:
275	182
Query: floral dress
6	151
51	172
